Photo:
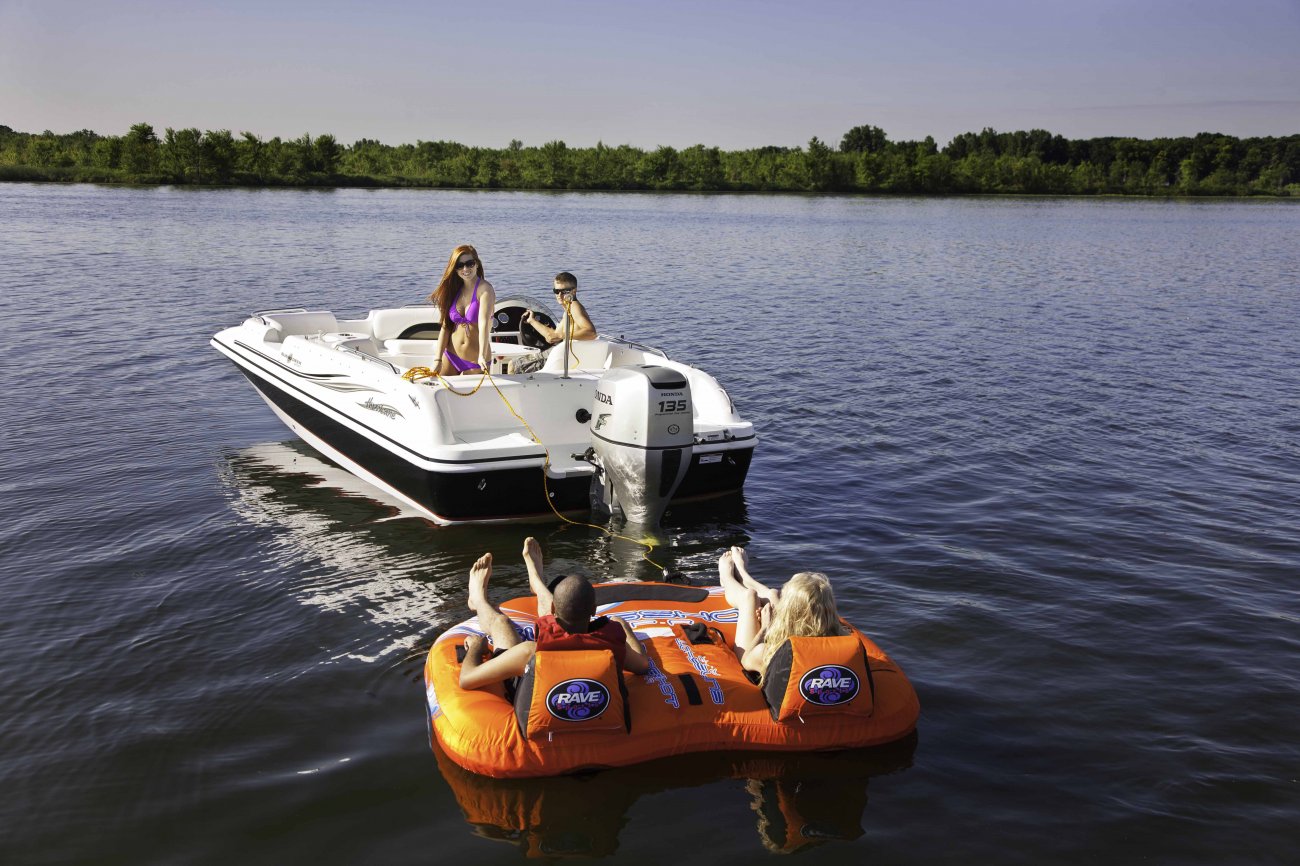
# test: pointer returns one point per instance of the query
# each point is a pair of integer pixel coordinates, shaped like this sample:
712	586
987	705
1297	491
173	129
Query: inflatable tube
573	711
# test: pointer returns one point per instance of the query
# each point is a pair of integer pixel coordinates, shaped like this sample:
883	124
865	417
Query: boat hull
451	488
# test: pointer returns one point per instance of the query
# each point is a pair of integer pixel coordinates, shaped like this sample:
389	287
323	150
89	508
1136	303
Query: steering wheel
528	336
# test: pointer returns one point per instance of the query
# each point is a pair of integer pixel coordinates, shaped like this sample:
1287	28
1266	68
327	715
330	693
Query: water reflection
287	485
347	547
344	545
799	800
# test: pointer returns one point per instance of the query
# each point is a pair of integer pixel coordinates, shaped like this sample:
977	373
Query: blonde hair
450	285
806	608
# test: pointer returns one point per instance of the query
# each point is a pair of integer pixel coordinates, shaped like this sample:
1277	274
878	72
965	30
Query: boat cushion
813	676
304	323
583	355
564	692
404	323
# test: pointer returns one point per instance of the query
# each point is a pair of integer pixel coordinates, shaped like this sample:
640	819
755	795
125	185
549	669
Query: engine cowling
642	433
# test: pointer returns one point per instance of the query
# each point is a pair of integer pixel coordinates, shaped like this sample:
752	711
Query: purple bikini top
471	312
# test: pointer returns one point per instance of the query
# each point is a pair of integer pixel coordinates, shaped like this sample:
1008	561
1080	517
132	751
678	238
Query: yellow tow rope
417	373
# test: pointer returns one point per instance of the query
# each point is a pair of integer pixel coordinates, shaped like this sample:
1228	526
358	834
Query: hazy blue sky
731	73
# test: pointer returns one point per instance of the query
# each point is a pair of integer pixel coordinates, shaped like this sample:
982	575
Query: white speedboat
609	424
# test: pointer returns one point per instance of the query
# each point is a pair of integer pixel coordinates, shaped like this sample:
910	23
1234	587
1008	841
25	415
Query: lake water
1047	450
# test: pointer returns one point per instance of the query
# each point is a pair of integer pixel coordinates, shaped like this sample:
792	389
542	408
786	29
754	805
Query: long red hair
450	285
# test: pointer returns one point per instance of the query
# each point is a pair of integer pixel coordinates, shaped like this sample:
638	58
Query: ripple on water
1046	449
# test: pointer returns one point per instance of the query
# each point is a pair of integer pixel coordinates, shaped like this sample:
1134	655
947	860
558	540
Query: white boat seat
417	348
304	322
402	322
591	355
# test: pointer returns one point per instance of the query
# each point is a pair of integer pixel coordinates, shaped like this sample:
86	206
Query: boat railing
261	315
371	358
635	345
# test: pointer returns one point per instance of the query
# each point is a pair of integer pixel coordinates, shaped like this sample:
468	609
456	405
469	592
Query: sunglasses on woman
467	263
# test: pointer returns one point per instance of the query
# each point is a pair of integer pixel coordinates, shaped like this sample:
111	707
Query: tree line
866	161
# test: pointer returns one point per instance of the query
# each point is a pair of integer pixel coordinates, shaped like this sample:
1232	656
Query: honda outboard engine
641	436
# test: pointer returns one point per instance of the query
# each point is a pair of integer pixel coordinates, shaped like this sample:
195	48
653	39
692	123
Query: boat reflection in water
339	545
799	800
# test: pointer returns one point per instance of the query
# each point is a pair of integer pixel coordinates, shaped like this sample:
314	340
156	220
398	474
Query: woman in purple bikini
466	301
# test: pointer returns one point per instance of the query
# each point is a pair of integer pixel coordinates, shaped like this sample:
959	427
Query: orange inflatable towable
574	709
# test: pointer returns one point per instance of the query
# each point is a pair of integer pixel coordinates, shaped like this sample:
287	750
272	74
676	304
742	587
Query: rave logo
829	685
577	700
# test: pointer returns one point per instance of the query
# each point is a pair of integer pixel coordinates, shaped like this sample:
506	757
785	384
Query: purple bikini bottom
458	362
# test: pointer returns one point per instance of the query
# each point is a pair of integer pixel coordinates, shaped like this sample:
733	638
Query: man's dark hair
566	280
575	603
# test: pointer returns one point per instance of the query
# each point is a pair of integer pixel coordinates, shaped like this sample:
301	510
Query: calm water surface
1046	449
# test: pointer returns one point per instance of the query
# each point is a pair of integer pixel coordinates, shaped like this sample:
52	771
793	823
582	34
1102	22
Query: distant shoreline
866	162
326	187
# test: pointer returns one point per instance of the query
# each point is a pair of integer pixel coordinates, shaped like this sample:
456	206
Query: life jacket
573	684
809	677
603	633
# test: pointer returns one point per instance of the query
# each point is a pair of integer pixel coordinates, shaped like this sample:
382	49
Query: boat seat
591	355
300	322
418	348
404	323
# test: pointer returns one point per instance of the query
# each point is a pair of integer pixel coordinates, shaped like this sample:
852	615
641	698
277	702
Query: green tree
140	150
218	150
863	139
326	152
108	153
660	169
701	168
555	165
817	161
43	151
250	156
181	155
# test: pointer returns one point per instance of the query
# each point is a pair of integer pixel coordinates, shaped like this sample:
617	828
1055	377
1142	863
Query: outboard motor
641	436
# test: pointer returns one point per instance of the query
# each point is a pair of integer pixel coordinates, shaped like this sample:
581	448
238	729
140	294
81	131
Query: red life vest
603	633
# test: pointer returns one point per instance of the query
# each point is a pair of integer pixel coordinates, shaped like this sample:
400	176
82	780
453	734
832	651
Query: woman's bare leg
732	587
747	622
490	618
741	561
743	599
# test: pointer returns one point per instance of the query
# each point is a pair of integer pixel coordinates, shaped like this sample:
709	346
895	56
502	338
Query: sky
733	74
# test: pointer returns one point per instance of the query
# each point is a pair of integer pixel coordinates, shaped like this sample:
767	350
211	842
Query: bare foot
732	589
479	574
726	567
741	558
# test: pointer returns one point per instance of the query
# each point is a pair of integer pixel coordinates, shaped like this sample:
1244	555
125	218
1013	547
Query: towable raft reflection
798	800
575	710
